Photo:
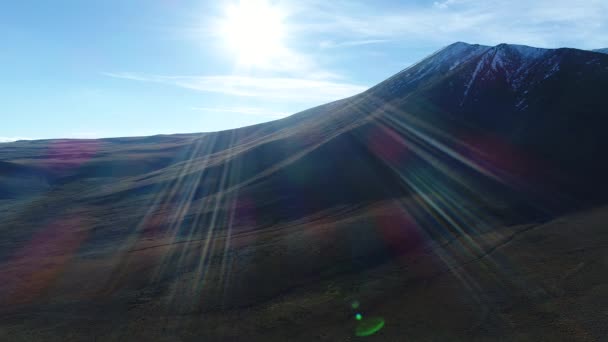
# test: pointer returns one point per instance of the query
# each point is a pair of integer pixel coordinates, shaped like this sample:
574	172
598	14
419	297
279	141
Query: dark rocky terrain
463	198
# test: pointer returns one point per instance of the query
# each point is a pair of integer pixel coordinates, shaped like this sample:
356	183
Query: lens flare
369	326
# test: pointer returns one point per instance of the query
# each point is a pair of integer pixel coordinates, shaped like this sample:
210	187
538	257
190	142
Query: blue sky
88	69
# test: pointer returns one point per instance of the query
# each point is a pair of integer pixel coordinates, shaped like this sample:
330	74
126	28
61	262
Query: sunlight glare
254	29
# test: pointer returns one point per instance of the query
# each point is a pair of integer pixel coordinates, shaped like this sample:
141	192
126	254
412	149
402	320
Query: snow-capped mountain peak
440	62
514	62
472	70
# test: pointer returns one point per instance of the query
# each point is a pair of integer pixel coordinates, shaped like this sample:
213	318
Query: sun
254	30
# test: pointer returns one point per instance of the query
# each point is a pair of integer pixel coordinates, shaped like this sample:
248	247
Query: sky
90	69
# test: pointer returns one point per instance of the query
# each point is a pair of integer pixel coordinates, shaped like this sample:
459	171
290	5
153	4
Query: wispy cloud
241	110
546	23
444	4
290	62
268	88
334	44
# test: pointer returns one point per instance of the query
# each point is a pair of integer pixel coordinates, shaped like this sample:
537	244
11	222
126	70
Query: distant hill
601	50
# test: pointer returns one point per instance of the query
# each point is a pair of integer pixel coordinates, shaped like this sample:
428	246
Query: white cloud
444	4
326	44
545	23
290	62
241	110
268	88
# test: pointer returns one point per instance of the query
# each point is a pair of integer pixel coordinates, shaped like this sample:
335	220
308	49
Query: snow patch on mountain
444	60
519	67
478	68
515	61
552	71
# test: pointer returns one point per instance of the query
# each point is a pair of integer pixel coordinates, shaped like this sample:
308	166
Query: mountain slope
449	159
601	50
547	103
511	126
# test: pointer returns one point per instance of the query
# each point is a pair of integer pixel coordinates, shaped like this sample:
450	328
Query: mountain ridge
604	50
452	48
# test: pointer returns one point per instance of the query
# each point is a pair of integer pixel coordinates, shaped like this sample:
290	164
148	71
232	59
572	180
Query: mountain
462	195
601	50
511	92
